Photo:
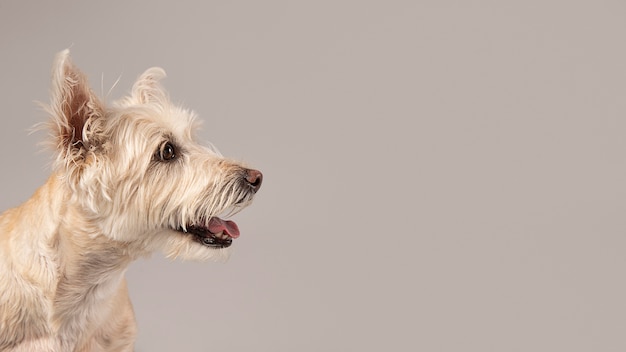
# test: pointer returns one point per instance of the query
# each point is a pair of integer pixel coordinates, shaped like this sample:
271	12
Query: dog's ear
77	113
147	88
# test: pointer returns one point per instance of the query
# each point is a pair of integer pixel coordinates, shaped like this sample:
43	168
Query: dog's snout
253	179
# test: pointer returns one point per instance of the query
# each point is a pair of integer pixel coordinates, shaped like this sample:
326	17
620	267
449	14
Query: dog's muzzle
218	233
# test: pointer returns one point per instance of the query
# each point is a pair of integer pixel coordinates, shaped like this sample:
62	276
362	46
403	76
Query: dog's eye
167	152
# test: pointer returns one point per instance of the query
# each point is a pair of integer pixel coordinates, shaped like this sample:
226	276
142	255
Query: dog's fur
128	179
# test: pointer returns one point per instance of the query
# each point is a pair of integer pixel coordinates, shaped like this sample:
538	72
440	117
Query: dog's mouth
217	233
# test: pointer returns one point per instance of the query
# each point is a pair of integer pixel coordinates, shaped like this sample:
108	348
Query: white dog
128	179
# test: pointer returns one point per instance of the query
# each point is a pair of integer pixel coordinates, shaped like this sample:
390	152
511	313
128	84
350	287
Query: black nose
254	178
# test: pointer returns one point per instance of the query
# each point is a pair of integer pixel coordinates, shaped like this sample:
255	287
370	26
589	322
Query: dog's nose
254	178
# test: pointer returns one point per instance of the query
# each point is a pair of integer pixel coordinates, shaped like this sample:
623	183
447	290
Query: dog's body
128	180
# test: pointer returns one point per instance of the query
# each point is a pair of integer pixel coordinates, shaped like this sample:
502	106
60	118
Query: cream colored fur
109	200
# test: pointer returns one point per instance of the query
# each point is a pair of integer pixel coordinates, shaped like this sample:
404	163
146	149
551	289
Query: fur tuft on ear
147	88
77	113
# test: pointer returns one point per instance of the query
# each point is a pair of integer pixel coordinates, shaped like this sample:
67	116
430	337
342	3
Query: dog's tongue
217	225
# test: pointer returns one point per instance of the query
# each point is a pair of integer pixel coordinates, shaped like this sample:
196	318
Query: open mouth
217	233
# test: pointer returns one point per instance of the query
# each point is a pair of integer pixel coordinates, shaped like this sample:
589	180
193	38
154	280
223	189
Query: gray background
439	175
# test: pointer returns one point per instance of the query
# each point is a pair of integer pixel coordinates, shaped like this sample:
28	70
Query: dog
128	179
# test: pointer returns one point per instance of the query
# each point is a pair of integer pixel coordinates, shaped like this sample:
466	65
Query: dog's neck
87	267
81	250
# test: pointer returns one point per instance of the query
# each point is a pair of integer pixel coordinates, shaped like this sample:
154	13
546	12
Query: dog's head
135	172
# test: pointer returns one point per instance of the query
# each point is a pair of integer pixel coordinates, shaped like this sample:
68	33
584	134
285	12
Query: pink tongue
217	225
